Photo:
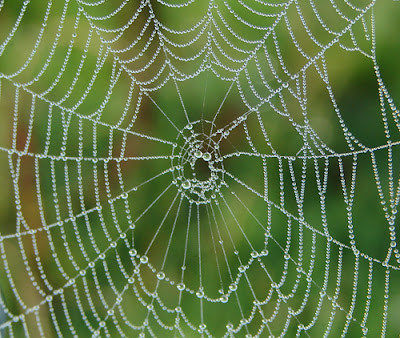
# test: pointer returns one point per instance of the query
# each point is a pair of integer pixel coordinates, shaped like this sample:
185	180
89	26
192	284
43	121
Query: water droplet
242	268
181	286
91	265
186	185
144	259
132	252
200	293
198	153
131	280
233	287
224	299
110	312
160	275
206	156
82	272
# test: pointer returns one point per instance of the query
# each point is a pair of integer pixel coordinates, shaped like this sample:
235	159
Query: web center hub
197	164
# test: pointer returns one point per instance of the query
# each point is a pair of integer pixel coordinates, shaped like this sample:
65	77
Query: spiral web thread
79	256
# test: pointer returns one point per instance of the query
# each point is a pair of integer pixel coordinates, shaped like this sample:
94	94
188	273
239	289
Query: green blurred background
91	183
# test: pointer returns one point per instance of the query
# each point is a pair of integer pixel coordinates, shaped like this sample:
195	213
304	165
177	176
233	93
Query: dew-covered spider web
221	168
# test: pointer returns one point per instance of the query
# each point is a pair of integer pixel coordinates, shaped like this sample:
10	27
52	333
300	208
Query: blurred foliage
354	84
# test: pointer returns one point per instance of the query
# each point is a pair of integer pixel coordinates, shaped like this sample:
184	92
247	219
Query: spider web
196	168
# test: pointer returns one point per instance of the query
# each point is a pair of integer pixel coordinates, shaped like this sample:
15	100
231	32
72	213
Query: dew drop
200	294
254	254
206	156
181	286
160	275
186	185
198	154
233	287
144	259
132	252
